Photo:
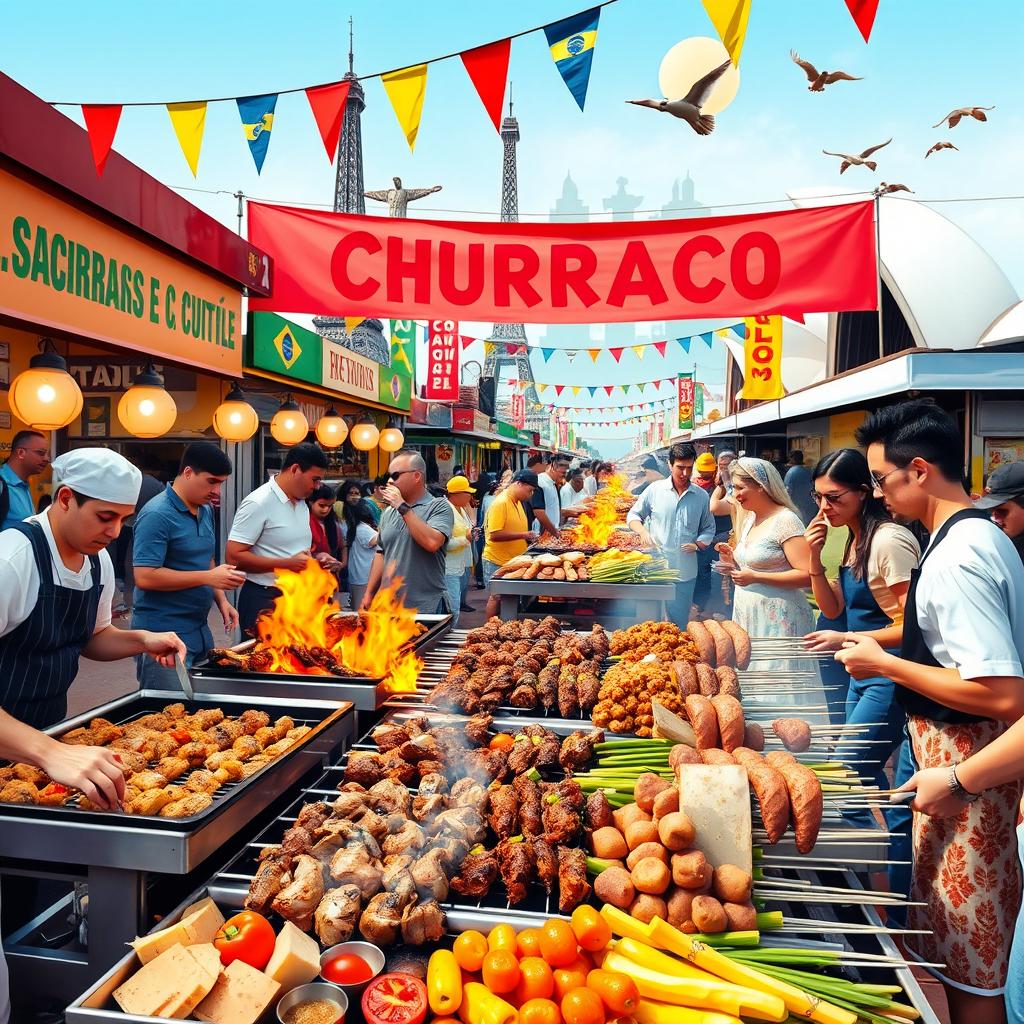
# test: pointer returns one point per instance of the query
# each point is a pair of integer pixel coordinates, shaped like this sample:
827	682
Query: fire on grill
307	634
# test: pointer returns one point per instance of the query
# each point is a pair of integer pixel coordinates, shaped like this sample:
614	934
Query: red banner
563	434
443	361
819	258
518	411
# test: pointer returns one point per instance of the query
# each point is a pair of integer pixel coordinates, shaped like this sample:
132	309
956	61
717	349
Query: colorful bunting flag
328	105
593	353
730	20
189	122
863	12
571	354
641	387
559	388
352	322
616	353
489	347
257	114
547	353
406	88
541	388
685	342
609	389
487	67
572	42
593	391
661	346
466	341
638	350
101	123
576	391
625	389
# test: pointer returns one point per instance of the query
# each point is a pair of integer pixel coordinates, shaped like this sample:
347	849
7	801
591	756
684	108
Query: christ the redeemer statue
398	198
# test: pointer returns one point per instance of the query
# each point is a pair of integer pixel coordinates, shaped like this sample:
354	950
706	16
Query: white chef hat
98	473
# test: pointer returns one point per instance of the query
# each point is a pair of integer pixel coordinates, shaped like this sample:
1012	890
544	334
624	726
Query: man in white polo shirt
271	531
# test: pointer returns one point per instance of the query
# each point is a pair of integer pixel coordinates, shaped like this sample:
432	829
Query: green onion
770	921
595	865
748	939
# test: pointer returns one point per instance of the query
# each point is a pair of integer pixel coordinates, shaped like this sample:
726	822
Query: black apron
39	658
914	647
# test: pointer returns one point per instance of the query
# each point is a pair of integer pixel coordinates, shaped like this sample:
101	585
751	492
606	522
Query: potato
709	915
690	870
676	830
682	754
753	736
647	907
666	802
641	832
646	788
608	842
679	904
732	884
650	875
742	917
647	850
614	886
625	816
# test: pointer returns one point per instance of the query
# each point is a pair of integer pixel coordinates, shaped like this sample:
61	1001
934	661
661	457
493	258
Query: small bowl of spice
352	966
315	1003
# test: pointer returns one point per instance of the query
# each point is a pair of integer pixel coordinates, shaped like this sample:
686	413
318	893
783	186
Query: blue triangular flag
592	391
708	339
547	353
572	44
685	342
257	113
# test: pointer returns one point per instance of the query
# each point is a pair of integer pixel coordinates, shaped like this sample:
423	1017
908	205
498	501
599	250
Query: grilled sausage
725	653
702	638
703	719
728	681
769	786
707	680
740	642
730	721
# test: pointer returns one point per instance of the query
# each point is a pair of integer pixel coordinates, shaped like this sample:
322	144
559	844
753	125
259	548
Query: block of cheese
296	958
240	996
170	985
198	926
207	956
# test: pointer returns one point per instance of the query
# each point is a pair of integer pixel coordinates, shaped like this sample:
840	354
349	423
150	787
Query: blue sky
925	58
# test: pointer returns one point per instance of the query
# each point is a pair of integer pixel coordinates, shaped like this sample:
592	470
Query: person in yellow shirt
506	529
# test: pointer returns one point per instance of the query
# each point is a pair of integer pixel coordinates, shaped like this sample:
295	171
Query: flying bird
688	108
886	189
860	160
953	117
938	146
819	79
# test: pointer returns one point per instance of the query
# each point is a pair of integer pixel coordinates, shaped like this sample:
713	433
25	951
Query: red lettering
636	260
509	278
417	269
762	354
348	288
682	272
474	286
576	278
771	261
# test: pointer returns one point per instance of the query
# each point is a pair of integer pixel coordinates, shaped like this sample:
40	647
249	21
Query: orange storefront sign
65	270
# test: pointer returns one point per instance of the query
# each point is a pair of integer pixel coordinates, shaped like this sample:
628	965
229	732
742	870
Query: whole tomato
248	937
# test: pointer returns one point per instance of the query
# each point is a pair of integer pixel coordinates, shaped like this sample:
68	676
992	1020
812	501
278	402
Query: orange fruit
582	1006
590	928
470	948
528	942
503	741
500	971
617	991
535	980
502	936
557	943
539	1011
571	976
445	1020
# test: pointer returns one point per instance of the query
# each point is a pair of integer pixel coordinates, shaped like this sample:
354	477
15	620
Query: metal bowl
367	951
314	990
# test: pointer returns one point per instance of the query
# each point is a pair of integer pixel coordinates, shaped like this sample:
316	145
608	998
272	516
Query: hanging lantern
45	396
235	419
365	434
146	409
391	437
331	429
289	425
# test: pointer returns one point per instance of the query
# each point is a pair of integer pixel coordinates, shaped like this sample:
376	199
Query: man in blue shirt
177	577
674	516
30	454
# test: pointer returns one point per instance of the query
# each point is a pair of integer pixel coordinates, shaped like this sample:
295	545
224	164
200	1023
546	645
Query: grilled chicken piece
381	921
428	872
561	823
465	823
478	871
568	792
515	862
547	863
503	816
387	797
364	767
312	816
150	780
599	811
523	755
353	865
425	807
298	900
17	791
197	752
469	793
202	781
478	729
229	771
573	887
422	922
131	762
283	726
271	877
577	749
336	916
251	720
433	784
547	748
408	838
530	817
152	801
396	878
188	805
245	747
349	805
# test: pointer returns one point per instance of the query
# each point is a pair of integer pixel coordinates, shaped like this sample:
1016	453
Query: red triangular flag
466	340
328	105
863	12
559	388
657	385
660	346
616	353
609	388
101	123
488	70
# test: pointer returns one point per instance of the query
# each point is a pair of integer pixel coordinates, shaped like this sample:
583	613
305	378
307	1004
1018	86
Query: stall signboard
762	359
462	419
443	361
63	268
115	374
698	402
518	411
348	372
684	394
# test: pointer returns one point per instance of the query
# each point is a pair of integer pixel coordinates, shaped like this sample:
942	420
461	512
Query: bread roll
740	642
715	756
769	786
728	681
703	719
724	651
806	801
702	638
730	721
686	677
707	680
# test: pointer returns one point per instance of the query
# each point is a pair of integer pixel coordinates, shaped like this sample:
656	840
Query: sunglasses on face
399	472
829	499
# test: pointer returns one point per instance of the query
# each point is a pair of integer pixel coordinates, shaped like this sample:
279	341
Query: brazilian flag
572	43
257	113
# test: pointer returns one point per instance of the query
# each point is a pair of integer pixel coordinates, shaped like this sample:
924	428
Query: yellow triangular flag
406	89
576	391
189	122
489	347
638	350
730	20
593	353
352	322
542	388
724	332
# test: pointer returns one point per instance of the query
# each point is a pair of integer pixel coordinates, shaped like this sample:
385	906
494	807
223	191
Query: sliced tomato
395	999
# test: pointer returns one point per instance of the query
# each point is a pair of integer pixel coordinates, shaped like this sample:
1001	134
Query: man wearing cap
57	588
458	552
506	530
1004	495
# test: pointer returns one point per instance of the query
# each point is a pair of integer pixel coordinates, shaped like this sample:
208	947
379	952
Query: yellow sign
762	359
67	270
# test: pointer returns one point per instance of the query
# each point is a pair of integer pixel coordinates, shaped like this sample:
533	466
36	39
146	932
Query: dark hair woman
328	543
361	543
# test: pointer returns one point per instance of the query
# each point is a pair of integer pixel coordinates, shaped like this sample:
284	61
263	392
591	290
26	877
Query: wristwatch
404	507
958	791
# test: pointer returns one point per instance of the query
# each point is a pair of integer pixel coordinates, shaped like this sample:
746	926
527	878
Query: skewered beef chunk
599	811
478	872
568	702
523	696
573	887
547	863
578	748
561	822
485	765
547	748
522	755
478	729
503	816
365	768
547	684
515	862
530	817
569	792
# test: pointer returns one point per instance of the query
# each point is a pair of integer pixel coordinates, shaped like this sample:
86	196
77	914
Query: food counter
617	603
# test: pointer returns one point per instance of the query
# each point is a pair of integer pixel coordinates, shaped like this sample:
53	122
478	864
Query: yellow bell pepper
710	994
444	983
650	1012
481	1006
642	953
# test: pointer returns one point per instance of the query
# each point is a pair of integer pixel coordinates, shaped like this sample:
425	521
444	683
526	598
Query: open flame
610	505
307	634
